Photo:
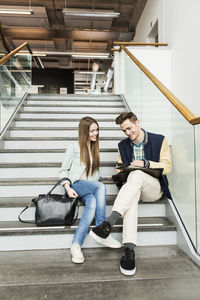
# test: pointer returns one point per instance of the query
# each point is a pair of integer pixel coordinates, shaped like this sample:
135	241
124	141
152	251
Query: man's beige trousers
139	185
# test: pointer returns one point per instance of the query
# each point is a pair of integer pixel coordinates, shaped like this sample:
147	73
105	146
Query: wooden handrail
138	44
8	56
187	114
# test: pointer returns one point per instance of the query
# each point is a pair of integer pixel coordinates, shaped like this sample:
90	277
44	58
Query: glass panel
197	144
182	177
146	101
158	115
15	81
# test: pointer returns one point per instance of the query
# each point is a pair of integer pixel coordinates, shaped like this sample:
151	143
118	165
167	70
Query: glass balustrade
158	115
197	147
15	81
182	177
148	103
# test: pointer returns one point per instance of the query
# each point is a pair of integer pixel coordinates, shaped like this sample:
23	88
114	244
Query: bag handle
57	183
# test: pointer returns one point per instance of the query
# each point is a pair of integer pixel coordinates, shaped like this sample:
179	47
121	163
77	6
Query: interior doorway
153	35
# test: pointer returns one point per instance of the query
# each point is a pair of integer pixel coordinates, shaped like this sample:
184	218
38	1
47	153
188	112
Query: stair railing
146	95
15	82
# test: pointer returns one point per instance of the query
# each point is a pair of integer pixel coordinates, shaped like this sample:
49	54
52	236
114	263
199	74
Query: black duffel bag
54	209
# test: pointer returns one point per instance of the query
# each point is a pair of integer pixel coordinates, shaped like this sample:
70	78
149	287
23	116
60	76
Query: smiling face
132	130
93	132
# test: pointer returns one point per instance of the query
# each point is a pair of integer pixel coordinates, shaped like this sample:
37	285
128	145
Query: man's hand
137	163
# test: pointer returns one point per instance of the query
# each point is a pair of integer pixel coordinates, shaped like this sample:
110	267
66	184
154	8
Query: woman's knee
100	187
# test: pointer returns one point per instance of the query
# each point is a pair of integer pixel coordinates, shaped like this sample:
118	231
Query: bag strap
57	183
19	217
77	210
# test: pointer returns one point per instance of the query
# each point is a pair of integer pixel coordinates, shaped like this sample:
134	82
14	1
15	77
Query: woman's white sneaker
76	253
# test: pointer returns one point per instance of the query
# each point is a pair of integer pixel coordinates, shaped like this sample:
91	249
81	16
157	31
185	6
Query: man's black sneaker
101	234
103	230
127	263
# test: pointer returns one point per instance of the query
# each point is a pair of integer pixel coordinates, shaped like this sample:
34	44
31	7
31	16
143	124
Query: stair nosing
68	112
72	105
33	181
46	164
59	119
58	128
158	224
57	138
14	202
48	150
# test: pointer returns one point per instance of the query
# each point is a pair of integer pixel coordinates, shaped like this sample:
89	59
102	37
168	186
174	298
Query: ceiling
49	30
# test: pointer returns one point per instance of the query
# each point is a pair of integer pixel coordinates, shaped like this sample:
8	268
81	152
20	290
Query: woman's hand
71	193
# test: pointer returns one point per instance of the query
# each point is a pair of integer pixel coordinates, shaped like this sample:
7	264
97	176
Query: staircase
30	161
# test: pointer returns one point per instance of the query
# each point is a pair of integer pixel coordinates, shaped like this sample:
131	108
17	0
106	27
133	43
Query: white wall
179	24
182	24
153	11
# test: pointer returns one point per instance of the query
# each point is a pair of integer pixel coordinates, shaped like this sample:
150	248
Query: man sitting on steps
141	149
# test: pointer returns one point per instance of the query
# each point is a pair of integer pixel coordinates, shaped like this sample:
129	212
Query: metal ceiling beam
31	33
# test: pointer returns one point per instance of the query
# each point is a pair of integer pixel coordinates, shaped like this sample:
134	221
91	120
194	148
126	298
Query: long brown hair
84	128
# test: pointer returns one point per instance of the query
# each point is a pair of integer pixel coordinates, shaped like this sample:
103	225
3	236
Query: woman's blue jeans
93	195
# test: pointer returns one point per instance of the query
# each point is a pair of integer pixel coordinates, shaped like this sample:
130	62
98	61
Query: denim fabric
93	195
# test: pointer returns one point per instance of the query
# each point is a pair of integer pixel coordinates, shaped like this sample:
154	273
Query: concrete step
7	202
55	122
32	187
11	207
44	169
55	142
21	236
82	103
73	97
59	132
46	155
163	272
72	109
68	115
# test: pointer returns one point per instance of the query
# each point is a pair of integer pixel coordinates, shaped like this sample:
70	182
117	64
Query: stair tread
144	223
73	105
45	164
28	273
65	138
48	150
58	128
39	181
68	112
60	119
24	201
73	97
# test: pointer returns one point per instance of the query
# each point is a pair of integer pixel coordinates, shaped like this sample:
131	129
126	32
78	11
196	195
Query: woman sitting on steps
81	165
